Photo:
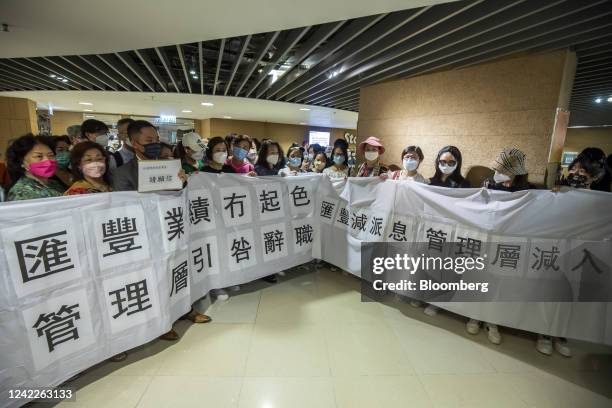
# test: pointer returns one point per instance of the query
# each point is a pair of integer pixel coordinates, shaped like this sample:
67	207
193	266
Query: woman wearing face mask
62	157
269	159
372	149
89	163
294	163
320	163
309	157
412	157
339	168
95	131
448	169
216	153
31	165
588	171
510	173
241	145
191	150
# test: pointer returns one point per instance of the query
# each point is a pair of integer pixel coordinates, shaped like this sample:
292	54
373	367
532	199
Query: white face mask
272	159
501	178
102	140
411	164
220	157
198	155
447	169
371	155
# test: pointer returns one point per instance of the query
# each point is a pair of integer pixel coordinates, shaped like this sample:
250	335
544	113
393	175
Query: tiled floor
309	341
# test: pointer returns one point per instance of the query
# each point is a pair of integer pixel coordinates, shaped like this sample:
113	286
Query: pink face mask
45	168
94	169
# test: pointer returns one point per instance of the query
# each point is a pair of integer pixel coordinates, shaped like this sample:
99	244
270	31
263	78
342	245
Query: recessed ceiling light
260	70
90	116
64	80
85	103
195	77
52	75
227	117
186	111
609	99
192	72
59	77
303	123
87	110
598	100
304	109
207	104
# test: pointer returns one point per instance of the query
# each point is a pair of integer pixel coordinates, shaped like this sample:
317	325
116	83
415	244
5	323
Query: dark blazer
125	178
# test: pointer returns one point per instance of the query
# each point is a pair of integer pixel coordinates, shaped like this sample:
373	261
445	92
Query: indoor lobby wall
578	139
17	117
60	120
480	109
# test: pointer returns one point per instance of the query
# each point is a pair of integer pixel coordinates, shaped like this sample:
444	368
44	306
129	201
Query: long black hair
17	151
455	175
262	154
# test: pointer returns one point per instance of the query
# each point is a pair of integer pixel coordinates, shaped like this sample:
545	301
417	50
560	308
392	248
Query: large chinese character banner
83	278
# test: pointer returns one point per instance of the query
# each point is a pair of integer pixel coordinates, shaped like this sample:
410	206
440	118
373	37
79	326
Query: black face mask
577	181
152	150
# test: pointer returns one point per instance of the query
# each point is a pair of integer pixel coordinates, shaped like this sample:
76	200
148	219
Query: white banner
83	278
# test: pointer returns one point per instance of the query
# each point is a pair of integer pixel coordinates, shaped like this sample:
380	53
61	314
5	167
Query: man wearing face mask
192	151
145	140
125	153
95	131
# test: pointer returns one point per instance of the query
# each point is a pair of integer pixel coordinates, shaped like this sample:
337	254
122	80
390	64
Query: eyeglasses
447	163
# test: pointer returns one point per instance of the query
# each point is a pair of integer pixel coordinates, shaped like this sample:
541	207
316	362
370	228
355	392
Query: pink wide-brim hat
372	141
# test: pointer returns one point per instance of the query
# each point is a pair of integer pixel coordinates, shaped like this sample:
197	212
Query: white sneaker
544	344
281	273
221	294
431	310
473	326
235	288
562	347
415	303
493	333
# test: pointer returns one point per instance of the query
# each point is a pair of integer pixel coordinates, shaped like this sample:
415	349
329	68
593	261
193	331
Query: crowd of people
82	163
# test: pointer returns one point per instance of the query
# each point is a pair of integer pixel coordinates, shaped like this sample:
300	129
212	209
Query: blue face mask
239	153
339	159
295	161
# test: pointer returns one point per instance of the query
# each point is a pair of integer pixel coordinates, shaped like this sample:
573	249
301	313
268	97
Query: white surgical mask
501	178
447	169
220	157
272	159
102	140
411	164
371	155
198	155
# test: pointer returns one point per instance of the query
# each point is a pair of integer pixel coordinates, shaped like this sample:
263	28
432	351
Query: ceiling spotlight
90	116
598	100
195	77
192	72
52	75
227	117
59	78
64	80
303	123
207	104
304	109
260	70
87	110
186	111
85	103
609	99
